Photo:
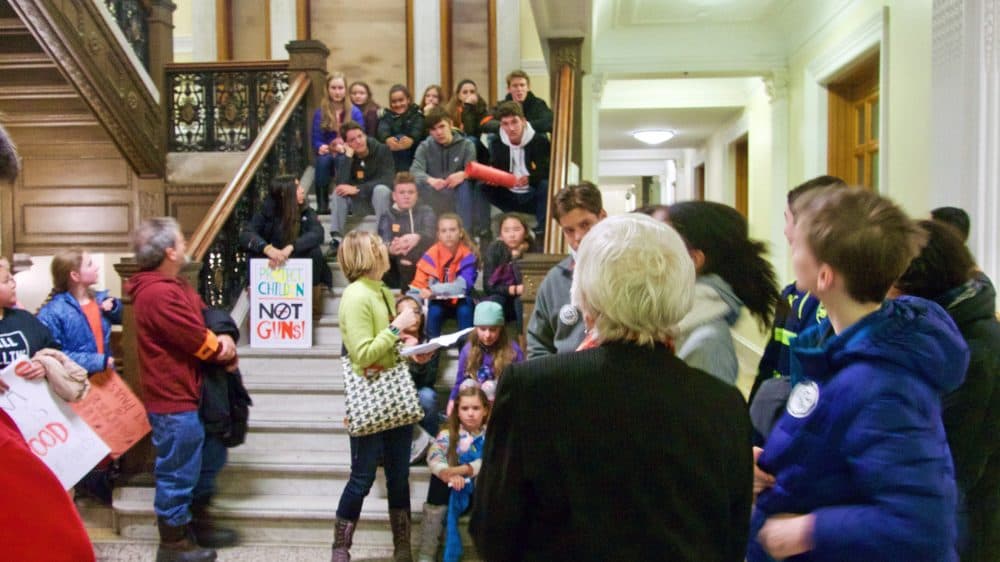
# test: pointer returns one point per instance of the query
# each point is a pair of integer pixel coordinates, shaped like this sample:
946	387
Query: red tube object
490	175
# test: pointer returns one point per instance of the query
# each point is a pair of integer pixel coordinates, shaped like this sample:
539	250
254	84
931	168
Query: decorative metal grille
225	272
131	19
221	111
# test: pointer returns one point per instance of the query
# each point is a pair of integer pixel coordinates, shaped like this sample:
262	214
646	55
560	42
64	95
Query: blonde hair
64	263
361	253
331	120
634	278
463	235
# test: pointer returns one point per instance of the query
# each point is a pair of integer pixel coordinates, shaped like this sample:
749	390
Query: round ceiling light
653	136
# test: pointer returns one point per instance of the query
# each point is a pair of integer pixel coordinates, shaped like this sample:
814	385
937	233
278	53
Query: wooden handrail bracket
223	206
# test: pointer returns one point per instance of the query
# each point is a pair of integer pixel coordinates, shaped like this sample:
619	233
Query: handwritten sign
114	412
281	304
60	438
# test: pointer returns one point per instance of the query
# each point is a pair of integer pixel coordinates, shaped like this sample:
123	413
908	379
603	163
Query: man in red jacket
172	341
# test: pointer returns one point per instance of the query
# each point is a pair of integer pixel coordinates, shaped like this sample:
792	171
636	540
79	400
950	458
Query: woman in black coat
619	451
285	227
945	273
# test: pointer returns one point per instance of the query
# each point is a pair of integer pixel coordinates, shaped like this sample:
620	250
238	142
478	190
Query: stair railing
279	148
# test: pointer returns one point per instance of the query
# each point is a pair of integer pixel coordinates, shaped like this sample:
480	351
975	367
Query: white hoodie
518	166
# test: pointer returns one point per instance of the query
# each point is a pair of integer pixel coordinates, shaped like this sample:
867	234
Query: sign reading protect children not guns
281	304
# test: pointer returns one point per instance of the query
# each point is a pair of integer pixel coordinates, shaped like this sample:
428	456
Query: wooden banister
226	66
217	215
562	144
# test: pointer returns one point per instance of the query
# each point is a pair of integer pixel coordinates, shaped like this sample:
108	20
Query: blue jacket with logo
861	444
65	319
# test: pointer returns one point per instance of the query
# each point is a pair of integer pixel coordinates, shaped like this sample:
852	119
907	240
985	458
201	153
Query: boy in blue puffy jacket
858	466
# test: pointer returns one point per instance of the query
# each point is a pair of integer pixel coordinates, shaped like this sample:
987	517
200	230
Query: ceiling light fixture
653	136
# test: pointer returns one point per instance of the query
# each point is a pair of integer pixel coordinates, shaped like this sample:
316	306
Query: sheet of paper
446	340
60	438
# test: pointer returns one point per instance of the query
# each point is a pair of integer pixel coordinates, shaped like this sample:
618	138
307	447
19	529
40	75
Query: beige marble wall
470	51
367	41
249	26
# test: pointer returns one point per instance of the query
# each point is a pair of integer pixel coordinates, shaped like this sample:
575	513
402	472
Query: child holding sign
80	320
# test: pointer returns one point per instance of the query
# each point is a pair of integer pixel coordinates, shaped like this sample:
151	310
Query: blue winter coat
65	319
861	444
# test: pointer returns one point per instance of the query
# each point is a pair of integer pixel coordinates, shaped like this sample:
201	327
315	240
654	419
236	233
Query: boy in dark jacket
858	467
365	175
525	153
535	110
945	272
407	229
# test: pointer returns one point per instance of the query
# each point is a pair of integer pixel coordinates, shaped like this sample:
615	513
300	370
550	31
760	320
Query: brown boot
343	534
319	295
206	532
399	519
176	545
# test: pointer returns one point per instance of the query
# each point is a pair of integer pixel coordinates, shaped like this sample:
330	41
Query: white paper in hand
446	340
67	445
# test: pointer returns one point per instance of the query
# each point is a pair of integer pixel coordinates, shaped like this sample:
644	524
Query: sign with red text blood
60	438
281	304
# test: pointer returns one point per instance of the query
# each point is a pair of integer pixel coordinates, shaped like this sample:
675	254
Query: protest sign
114	412
281	304
60	438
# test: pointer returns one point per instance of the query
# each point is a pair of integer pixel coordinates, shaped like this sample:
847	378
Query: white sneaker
421	441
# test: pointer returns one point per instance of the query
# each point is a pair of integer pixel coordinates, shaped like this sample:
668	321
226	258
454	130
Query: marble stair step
299	519
289	473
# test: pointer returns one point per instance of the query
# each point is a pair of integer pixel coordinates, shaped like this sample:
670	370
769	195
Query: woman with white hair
619	451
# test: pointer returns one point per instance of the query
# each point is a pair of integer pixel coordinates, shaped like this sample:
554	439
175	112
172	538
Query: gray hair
634	278
10	165
152	239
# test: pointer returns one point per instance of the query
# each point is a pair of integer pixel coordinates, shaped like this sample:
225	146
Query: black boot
206	532
176	545
343	535
399	519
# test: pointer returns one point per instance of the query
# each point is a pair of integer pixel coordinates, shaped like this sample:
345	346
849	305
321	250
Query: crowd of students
870	432
359	146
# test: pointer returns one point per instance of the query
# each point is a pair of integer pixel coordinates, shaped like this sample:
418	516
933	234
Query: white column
966	120
777	91
283	28
508	41
426	45
204	46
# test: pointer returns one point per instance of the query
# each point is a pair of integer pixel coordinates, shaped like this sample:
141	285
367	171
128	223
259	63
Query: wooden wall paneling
366	43
189	203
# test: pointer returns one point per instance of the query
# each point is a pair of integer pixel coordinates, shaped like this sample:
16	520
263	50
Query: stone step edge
292	510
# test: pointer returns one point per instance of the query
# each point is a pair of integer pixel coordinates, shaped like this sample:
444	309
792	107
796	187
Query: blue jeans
393	447
187	462
321	180
458	200
438	310
428	402
533	202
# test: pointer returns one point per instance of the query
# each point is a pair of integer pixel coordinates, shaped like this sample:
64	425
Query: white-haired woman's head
633	280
